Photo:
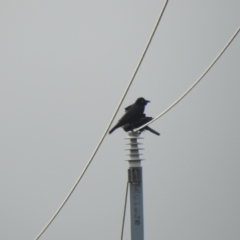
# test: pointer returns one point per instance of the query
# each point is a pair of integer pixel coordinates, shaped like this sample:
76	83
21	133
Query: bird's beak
147	101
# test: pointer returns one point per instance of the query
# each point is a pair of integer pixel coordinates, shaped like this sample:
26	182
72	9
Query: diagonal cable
194	84
106	131
124	210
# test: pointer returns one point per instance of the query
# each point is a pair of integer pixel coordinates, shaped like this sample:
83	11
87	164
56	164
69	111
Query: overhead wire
109	124
124	210
193	85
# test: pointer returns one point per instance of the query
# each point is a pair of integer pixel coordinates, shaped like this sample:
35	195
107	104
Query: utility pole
136	187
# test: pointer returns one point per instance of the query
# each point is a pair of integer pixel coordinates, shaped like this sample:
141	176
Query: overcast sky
64	67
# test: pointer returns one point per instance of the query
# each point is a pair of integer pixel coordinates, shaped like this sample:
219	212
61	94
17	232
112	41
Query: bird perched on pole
133	113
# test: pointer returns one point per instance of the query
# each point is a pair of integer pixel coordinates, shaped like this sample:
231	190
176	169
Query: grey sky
64	67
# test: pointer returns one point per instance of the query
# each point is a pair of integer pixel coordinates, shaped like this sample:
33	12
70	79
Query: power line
106	131
124	210
196	82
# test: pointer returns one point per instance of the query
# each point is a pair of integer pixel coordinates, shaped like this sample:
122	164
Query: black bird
133	113
143	120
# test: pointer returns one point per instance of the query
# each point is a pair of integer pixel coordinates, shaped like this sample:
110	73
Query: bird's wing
127	107
131	112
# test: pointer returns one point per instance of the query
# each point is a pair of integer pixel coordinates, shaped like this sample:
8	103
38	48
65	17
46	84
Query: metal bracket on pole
136	192
134	176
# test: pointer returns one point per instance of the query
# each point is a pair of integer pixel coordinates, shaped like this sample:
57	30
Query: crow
133	113
143	120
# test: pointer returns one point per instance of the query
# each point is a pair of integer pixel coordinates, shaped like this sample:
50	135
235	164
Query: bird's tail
151	130
113	129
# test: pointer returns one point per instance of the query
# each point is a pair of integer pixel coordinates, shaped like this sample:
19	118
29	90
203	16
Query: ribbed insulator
133	147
